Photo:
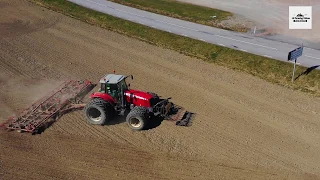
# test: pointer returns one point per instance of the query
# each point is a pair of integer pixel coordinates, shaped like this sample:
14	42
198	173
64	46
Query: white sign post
293	55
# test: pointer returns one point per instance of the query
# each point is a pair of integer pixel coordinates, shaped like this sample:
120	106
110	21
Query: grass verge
185	11
271	70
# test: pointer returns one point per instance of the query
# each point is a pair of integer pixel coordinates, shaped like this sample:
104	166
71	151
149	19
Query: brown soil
245	128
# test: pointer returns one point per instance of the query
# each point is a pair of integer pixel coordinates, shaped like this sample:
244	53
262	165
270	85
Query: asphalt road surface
244	42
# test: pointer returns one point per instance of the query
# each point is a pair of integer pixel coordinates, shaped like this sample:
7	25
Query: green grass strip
271	70
184	11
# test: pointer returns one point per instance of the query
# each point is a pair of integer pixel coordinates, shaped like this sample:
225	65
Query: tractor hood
139	94
138	98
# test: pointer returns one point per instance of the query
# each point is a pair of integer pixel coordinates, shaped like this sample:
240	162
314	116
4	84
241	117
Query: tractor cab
114	85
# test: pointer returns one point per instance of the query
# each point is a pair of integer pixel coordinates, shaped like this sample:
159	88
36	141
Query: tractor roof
112	78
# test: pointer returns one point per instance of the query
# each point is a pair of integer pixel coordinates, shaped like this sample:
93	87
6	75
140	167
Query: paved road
243	42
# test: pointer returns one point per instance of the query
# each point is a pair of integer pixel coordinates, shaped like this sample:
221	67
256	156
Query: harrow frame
42	113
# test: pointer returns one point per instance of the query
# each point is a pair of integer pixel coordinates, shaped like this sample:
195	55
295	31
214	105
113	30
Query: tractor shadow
119	119
153	123
308	71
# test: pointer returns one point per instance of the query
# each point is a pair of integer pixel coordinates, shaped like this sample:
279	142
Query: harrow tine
186	120
181	116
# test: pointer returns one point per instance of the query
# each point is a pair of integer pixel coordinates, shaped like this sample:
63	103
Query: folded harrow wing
180	116
43	112
173	112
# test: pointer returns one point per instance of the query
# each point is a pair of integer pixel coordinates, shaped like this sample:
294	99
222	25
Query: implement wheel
137	118
98	111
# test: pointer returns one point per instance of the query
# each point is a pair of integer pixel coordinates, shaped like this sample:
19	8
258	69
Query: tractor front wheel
98	111
137	118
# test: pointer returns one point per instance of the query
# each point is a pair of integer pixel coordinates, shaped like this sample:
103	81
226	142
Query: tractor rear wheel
137	118
98	111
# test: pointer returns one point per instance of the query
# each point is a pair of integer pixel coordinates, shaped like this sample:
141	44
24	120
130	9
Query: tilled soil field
245	128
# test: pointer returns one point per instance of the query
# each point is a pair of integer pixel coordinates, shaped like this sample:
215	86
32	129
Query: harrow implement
41	114
179	115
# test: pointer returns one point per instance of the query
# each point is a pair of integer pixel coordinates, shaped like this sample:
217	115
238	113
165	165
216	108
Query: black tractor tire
98	111
137	118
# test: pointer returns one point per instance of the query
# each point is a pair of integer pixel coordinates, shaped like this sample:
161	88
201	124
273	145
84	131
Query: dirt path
245	128
269	14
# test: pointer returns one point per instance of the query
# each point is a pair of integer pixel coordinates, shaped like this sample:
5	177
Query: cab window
103	87
112	89
123	85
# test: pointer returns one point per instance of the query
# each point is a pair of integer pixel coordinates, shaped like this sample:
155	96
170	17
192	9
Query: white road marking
246	42
312	57
309	49
243	50
222	45
267	56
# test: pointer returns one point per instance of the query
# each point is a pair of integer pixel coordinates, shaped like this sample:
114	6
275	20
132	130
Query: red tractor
115	97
